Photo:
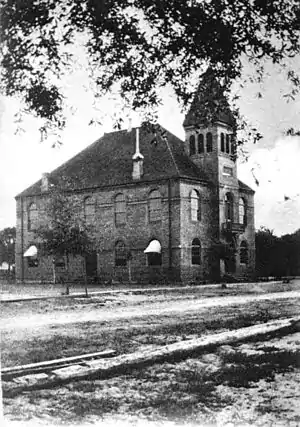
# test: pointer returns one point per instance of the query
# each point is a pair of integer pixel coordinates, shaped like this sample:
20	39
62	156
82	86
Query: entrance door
230	265
91	264
230	261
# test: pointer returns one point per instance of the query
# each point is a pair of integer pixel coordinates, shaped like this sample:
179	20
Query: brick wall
136	233
203	230
248	235
210	227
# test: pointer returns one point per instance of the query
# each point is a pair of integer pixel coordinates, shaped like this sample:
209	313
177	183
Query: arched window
153	252
120	254
89	209
196	252
242	211
154	206
31	255
227	144
192	145
228	207
244	252
195	206
120	209
200	143
209	144
222	142
32	220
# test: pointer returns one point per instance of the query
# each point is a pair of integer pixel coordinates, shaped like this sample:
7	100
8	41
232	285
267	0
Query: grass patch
127	335
184	392
242	370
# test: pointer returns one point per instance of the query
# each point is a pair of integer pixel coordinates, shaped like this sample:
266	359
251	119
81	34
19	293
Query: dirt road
250	384
137	307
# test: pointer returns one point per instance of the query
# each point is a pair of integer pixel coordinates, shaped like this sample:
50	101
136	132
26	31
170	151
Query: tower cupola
209	105
209	129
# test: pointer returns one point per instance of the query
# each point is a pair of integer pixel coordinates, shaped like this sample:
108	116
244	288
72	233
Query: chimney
45	182
138	158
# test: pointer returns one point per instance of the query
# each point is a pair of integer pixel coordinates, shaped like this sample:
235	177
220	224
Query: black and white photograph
150	213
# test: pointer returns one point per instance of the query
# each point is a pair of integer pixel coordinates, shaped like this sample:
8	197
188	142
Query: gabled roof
108	162
209	104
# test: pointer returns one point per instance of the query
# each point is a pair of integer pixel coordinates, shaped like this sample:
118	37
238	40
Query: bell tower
209	132
210	144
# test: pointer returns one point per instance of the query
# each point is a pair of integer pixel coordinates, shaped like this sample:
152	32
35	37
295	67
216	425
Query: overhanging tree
141	46
64	232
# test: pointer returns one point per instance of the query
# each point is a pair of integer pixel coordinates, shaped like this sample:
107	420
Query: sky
273	162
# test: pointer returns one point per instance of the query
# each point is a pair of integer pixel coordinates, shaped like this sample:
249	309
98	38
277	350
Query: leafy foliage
7	245
277	256
65	232
140	46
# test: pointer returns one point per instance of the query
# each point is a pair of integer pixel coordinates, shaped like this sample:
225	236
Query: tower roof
210	104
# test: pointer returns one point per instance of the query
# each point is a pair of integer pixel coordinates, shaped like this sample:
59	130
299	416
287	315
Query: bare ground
247	384
254	384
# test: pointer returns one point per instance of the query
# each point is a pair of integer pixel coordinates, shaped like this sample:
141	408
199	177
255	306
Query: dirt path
104	314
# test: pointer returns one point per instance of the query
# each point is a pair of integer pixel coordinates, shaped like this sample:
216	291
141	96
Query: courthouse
162	209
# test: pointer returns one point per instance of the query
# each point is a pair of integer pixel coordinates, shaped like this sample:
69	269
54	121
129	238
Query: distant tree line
7	247
277	256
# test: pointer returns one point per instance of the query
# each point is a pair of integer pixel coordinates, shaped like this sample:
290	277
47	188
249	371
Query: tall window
89	209
153	252
228	207
230	258
154	206
233	144
200	143
120	209
120	254
227	144
242	212
196	252
222	142
192	145
32	220
244	252
195	206
154	259
209	144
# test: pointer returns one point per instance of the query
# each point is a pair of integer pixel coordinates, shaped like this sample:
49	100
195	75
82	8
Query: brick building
162	208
